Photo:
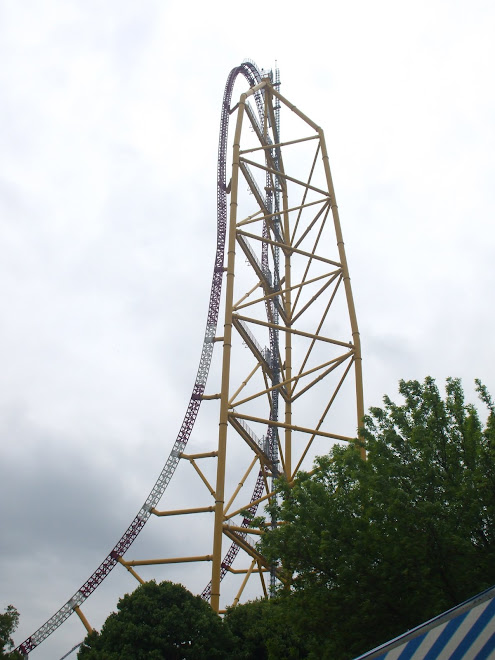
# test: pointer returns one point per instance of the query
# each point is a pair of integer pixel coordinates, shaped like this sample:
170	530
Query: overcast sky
109	114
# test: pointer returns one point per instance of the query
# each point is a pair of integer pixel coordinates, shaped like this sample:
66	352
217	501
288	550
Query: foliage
159	621
262	630
375	547
8	623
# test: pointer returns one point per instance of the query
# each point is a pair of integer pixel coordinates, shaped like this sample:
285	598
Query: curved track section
252	74
272	431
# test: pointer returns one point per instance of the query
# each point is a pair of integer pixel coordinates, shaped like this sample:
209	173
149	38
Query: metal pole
358	363
227	348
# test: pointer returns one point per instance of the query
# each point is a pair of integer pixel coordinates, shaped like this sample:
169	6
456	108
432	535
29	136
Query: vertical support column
288	335
287	301
227	349
287	296
358	363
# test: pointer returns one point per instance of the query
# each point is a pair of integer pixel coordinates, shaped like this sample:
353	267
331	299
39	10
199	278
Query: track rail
253	76
273	353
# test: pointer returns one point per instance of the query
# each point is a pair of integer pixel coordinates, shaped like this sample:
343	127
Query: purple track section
252	74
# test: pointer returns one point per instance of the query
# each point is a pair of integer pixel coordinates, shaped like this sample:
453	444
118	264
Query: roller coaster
288	380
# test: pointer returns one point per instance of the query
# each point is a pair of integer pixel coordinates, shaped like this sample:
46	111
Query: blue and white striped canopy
466	632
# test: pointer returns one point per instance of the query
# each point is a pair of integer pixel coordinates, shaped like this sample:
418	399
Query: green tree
375	547
263	631
159	621
8	623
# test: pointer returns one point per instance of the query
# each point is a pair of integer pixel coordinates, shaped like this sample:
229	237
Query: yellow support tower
287	289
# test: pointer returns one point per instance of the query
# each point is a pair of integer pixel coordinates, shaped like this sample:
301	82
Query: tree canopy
367	549
8	623
159	621
262	630
375	547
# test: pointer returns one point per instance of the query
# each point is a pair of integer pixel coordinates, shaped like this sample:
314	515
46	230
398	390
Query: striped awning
466	632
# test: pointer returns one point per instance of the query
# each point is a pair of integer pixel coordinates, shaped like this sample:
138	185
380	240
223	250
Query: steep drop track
253	76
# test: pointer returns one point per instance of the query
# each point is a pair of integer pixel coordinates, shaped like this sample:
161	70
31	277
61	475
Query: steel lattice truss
290	380
281	397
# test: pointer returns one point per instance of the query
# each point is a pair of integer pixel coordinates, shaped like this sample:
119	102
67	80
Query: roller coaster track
285	219
252	74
